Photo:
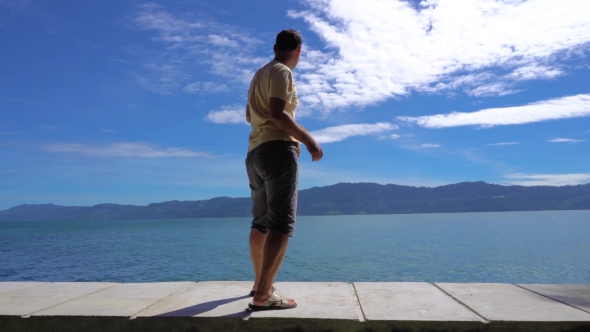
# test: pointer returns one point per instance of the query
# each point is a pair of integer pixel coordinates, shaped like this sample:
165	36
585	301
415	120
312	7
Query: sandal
272	304
252	293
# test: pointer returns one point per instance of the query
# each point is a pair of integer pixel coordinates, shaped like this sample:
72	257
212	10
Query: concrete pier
322	306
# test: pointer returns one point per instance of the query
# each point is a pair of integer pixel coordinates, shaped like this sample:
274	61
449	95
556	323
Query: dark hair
288	40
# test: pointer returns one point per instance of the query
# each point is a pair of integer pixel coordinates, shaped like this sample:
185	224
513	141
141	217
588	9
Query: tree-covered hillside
342	198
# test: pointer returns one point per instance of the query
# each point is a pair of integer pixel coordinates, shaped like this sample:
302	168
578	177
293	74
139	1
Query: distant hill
342	198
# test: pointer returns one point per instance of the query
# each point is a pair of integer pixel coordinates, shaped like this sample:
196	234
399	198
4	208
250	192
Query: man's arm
248	118
286	123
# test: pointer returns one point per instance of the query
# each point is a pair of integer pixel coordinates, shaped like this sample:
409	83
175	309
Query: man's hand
315	150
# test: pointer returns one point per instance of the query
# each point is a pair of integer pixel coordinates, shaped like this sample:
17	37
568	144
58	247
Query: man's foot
273	302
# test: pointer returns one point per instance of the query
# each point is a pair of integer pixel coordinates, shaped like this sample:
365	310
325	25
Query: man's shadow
205	307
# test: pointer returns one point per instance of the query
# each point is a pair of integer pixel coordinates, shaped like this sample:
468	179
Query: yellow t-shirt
272	80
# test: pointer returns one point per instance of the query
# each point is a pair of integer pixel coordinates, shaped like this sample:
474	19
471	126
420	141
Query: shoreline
323	215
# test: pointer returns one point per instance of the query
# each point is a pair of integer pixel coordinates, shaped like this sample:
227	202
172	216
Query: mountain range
341	198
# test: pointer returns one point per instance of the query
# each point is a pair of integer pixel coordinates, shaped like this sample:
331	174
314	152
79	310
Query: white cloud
137	149
222	41
381	49
191	47
430	145
108	131
392	136
492	89
566	140
235	114
553	109
205	87
503	144
535	72
548	179
340	133
162	78
151	16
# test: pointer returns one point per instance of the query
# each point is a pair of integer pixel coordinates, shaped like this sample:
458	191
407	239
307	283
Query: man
272	166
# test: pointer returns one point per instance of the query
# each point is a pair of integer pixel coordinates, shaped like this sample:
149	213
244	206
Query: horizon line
374	183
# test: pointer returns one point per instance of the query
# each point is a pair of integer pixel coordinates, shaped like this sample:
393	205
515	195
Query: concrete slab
32	299
321	306
575	295
205	299
410	301
505	302
11	286
325	300
121	300
204	306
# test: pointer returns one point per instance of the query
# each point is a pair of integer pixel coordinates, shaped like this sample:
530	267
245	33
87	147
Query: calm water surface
510	247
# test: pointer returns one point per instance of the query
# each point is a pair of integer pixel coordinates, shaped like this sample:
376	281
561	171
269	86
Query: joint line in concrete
357	304
160	300
549	297
463	304
20	289
66	301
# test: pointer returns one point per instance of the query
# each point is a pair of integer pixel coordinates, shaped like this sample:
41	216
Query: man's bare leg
257	240
275	248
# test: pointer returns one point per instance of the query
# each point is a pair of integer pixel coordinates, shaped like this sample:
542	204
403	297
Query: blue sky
136	102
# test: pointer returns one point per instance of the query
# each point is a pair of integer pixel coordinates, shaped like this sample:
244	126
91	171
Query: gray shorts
273	172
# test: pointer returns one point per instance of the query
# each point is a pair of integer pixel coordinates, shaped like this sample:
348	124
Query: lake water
508	247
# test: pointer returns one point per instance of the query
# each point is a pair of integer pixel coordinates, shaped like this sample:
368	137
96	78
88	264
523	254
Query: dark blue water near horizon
507	247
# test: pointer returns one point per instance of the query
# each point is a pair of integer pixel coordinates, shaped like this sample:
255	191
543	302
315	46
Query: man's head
288	47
